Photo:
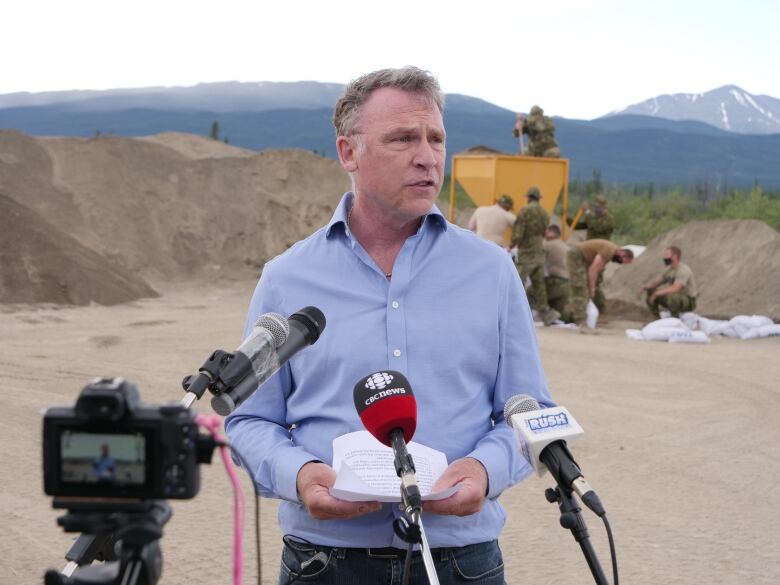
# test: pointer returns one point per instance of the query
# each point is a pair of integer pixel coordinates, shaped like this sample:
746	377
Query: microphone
541	435
222	370
386	405
302	329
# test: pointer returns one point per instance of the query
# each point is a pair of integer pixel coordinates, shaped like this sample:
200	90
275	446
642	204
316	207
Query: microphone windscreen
276	325
384	401
517	404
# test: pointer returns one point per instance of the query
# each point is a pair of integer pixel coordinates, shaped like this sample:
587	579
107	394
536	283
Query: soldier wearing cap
528	235
598	222
492	221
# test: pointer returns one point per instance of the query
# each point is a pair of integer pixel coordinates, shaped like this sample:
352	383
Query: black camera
111	445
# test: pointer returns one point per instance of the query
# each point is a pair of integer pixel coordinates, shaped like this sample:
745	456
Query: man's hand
468	499
313	482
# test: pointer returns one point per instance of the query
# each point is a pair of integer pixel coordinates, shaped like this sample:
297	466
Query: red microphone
387	407
385	403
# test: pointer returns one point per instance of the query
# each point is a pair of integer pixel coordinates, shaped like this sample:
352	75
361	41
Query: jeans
476	564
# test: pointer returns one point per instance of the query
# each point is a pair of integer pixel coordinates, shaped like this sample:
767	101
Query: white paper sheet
365	471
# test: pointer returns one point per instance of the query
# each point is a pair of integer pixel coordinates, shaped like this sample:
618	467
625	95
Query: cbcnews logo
547	422
378	381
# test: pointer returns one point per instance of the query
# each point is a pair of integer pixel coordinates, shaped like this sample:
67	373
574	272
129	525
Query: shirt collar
338	222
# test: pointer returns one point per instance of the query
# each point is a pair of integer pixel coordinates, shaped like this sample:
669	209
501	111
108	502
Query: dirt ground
681	444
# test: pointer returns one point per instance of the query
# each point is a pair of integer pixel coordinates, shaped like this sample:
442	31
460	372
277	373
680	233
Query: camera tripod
127	539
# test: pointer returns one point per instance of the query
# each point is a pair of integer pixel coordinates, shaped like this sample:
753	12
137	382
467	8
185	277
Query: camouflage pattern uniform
600	225
541	134
527	235
557	293
578	280
675	303
578	285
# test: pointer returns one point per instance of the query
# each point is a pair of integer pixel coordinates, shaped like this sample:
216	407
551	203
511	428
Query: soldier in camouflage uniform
585	261
675	290
600	225
527	235
541	133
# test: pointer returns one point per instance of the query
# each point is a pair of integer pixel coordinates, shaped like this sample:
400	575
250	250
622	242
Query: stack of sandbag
741	326
692	328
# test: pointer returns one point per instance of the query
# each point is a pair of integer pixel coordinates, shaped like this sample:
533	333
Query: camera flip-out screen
109	459
100	461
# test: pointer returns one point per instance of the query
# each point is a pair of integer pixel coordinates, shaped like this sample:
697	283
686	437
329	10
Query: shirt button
397	353
394	304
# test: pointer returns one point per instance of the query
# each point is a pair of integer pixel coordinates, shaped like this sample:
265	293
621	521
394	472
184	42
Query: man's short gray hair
358	91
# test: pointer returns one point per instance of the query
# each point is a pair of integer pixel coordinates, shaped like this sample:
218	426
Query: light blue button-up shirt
453	319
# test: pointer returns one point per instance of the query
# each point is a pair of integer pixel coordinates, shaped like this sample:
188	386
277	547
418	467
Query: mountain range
728	108
676	143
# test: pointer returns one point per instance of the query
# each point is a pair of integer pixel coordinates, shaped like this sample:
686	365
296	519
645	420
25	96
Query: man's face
668	257
398	162
550	234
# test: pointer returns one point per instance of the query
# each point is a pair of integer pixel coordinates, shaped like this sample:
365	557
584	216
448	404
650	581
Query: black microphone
542	434
304	328
386	405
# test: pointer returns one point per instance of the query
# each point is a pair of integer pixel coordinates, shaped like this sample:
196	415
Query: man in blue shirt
402	290
104	466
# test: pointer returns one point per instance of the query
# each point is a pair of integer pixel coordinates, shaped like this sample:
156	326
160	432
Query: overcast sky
575	58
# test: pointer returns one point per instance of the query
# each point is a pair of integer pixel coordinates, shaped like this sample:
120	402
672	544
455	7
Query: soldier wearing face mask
586	261
675	290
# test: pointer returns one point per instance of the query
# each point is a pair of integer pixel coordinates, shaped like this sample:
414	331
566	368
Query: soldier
675	290
541	133
600	226
556	273
585	261
599	222
491	221
527	235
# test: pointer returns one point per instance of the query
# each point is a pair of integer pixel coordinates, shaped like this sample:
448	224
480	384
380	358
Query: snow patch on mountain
724	116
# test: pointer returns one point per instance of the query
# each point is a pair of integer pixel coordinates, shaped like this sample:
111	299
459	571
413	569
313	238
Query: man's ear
347	151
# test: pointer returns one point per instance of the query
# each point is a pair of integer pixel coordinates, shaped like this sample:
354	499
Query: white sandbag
744	324
663	329
661	333
635	334
763	331
591	315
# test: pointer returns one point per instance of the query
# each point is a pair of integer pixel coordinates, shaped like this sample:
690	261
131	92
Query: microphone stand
410	529
572	520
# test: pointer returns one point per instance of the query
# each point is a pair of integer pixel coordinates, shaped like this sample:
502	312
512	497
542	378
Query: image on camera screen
103	458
